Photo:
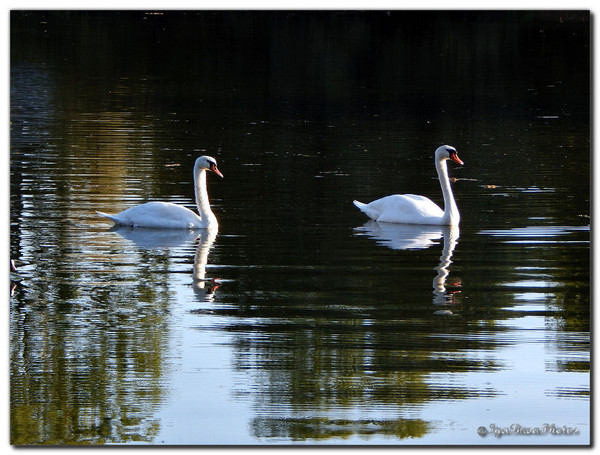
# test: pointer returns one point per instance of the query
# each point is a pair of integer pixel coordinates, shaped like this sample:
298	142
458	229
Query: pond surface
300	321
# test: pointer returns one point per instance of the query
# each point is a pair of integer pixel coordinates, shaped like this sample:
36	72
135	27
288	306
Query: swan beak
213	168
454	157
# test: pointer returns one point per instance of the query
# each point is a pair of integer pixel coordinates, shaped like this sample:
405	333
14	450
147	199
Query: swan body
166	215
162	215
415	209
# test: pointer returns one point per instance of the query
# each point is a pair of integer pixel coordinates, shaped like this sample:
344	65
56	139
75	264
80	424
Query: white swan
166	215
413	209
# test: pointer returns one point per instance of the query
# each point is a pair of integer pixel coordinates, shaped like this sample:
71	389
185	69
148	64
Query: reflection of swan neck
451	213
202	201
201	257
451	235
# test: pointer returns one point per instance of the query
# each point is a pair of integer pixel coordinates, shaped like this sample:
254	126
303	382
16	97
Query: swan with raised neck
166	215
416	209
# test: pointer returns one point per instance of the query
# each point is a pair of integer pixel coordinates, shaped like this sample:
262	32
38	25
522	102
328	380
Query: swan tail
366	210
110	217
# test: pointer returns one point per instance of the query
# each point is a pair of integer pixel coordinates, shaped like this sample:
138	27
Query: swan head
207	163
447	152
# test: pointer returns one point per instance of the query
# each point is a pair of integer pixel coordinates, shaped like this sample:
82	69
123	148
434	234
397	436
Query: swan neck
451	214
202	201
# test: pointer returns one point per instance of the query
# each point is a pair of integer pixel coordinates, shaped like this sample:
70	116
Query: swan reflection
414	237
171	238
441	295
156	238
204	287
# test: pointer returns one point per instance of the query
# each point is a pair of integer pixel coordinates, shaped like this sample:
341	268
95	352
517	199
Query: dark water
310	324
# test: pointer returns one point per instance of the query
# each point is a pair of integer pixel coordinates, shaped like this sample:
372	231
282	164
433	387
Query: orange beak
454	157
213	168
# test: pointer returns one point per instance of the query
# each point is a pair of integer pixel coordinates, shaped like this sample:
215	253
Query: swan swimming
415	209
166	215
